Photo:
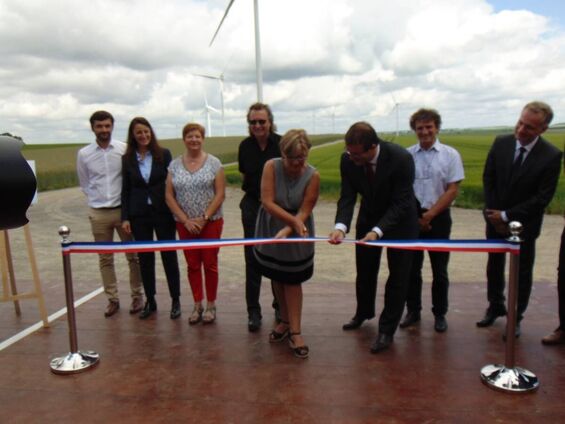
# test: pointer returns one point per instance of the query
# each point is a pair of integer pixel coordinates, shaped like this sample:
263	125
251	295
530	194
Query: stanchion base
514	380
74	363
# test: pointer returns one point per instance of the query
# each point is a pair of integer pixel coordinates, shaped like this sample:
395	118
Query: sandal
210	315
196	315
301	352
276	337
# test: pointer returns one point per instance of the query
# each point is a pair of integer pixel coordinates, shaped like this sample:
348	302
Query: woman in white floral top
195	193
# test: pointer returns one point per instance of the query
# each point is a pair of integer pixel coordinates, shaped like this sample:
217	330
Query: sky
326	64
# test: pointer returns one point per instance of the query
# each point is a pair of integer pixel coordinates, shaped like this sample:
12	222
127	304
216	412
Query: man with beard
99	168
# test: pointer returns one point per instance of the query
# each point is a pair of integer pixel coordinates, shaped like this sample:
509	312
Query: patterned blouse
194	191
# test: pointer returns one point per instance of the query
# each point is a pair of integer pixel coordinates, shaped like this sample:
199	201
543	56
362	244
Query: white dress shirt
436	168
100	173
341	226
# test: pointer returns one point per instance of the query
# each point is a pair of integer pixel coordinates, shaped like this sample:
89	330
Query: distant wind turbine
220	79
258	67
207	110
396	105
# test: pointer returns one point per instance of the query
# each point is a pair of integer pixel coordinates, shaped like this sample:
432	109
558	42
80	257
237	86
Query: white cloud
325	64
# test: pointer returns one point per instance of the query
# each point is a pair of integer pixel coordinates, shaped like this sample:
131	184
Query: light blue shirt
436	167
145	168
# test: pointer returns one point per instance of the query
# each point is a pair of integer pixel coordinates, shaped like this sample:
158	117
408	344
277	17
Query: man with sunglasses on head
382	174
261	146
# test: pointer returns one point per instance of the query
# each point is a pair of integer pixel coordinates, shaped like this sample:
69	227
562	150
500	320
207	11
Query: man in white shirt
439	170
99	168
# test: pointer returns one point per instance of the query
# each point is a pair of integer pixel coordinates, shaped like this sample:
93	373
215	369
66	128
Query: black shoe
411	318
150	307
254	322
440	324
517	332
354	324
175	309
490	317
382	342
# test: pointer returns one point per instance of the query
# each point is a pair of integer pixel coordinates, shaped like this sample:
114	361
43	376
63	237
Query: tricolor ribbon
489	246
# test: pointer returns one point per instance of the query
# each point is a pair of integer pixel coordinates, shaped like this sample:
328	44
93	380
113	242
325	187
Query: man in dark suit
520	177
558	335
383	174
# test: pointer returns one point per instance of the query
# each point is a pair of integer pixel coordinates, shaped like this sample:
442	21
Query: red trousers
197	259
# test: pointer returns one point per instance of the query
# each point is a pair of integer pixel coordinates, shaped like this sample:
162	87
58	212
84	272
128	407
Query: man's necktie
518	161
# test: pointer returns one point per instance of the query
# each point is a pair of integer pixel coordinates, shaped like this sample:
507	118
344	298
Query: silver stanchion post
75	361
509	377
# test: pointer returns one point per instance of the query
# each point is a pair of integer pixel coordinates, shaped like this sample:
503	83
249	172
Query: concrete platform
167	371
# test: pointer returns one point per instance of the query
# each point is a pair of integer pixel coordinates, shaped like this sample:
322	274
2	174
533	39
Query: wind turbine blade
207	76
221	22
212	108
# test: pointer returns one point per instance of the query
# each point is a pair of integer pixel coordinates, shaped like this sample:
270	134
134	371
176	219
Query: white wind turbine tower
258	67
207	110
396	105
220	79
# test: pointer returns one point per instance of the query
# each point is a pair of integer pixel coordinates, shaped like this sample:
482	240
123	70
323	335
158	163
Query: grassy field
56	163
56	168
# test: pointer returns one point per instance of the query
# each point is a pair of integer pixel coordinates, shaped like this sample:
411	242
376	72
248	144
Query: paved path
334	264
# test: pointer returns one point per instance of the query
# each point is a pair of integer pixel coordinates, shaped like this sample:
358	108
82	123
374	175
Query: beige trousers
103	223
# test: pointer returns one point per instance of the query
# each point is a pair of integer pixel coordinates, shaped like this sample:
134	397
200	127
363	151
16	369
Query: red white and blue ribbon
489	246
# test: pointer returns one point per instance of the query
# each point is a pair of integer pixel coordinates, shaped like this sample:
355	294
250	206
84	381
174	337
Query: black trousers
249	209
561	282
164	227
441	229
367	261
495	275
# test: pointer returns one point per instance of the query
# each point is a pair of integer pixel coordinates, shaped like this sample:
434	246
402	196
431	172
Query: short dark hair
100	115
266	108
425	115
362	133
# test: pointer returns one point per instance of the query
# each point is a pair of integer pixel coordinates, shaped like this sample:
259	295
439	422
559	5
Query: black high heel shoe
150	307
301	352
276	337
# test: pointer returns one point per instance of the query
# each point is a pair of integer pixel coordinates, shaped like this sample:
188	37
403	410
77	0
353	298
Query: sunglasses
258	121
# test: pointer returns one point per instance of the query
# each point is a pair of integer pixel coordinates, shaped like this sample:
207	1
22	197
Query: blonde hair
294	140
541	108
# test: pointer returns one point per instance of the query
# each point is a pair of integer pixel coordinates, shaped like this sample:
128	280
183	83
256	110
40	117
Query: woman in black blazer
144	211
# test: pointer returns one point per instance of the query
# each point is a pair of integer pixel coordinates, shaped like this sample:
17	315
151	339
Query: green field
56	169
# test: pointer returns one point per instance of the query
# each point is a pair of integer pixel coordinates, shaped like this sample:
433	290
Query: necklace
192	161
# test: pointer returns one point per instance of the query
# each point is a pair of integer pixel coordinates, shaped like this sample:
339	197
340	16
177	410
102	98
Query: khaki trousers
103	223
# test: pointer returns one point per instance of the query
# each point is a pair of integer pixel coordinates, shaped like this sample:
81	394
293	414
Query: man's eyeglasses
258	121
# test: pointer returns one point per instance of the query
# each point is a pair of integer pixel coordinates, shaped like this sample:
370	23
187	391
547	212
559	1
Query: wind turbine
220	79
207	110
396	105
258	67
